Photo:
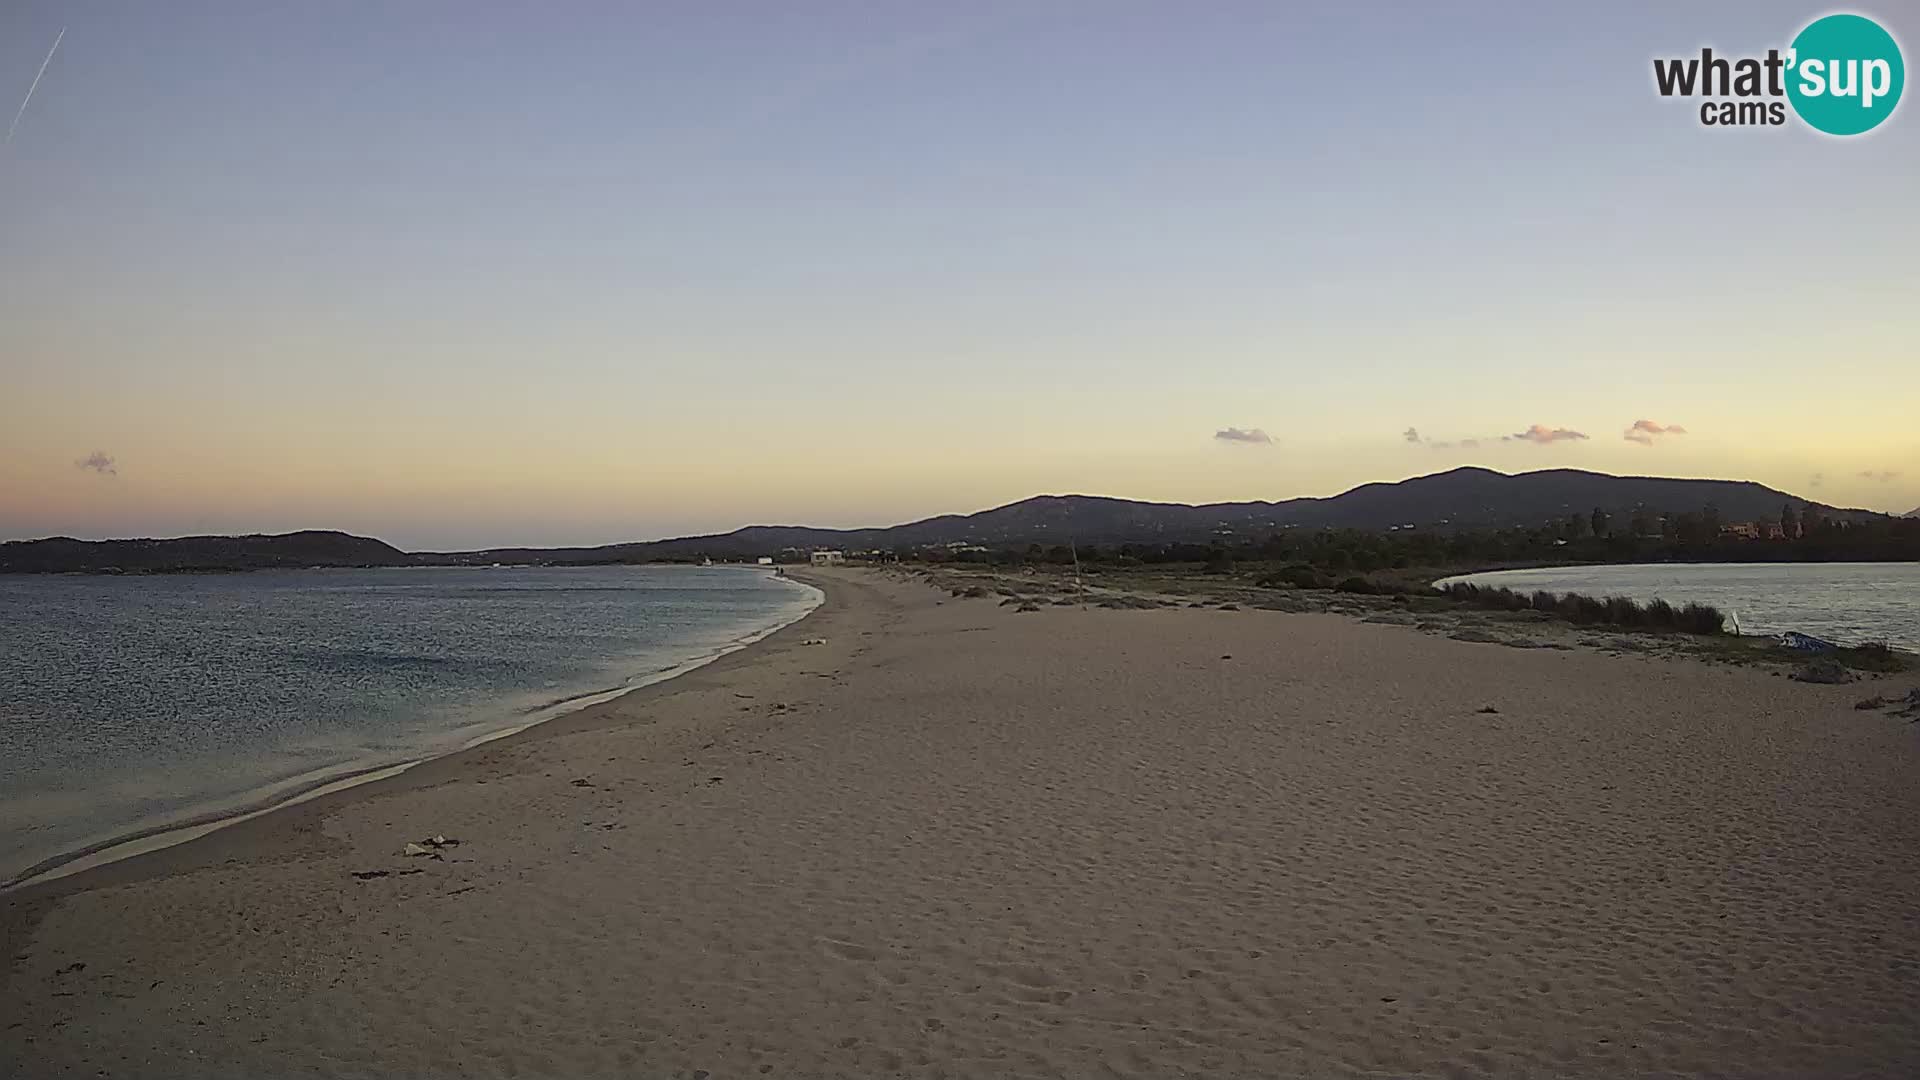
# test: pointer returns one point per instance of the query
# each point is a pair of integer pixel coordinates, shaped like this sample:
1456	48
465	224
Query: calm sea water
1849	603
127	702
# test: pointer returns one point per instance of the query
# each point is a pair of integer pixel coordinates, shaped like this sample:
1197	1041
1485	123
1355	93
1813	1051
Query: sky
475	274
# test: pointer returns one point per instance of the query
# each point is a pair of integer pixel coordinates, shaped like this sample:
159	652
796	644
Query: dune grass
1593	611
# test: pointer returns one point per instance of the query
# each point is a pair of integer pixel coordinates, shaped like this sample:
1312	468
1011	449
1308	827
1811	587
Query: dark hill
1459	499
1466	498
185	554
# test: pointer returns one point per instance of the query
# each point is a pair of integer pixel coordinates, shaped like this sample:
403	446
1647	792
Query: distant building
765	560
828	558
1773	530
1745	530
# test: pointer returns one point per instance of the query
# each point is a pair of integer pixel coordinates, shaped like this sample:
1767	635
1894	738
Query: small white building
765	560
828	558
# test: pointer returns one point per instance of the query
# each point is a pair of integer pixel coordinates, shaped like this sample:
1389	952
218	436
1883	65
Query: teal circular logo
1845	74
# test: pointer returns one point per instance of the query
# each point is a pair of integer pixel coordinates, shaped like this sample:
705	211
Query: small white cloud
1645	432
1542	434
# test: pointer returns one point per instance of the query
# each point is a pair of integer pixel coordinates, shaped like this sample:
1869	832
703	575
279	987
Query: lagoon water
128	702
1850	603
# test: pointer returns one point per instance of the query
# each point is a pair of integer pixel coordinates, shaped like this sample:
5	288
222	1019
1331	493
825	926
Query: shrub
1299	576
1872	656
1587	610
1622	611
1582	609
1702	619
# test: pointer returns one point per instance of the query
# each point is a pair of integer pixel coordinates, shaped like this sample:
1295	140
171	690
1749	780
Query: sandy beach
921	835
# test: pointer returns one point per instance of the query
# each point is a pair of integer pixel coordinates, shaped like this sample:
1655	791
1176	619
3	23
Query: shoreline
929	835
293	791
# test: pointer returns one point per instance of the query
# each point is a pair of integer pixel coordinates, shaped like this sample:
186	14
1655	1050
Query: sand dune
957	840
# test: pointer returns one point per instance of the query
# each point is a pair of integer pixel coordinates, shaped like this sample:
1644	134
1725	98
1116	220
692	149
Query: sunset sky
461	275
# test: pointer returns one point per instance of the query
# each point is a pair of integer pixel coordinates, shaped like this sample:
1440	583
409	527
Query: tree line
1804	534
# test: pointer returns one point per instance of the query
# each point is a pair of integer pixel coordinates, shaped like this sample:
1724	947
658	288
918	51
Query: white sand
961	841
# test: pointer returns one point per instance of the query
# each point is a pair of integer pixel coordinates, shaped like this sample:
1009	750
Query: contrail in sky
35	86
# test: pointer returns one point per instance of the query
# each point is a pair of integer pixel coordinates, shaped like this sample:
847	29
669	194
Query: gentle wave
144	705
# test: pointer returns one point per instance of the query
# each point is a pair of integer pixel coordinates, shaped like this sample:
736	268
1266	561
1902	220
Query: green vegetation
1588	610
1873	656
1333	555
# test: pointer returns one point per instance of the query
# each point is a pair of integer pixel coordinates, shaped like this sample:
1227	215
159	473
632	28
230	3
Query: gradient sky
471	274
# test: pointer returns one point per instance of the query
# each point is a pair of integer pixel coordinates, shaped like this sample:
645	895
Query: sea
1847	603
134	705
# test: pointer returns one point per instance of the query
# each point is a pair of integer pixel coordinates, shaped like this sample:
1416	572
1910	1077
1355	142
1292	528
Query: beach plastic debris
369	875
815	641
1799	642
1487	709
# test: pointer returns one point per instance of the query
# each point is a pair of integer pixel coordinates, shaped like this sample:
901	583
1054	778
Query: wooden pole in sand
1079	585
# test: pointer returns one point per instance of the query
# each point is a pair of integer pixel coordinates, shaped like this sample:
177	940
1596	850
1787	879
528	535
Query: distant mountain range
1465	498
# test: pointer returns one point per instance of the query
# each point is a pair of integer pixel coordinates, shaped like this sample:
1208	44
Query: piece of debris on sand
429	847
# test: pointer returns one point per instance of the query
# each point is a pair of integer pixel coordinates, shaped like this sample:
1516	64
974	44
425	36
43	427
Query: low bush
1298	576
1624	612
1589	611
1872	656
1701	619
